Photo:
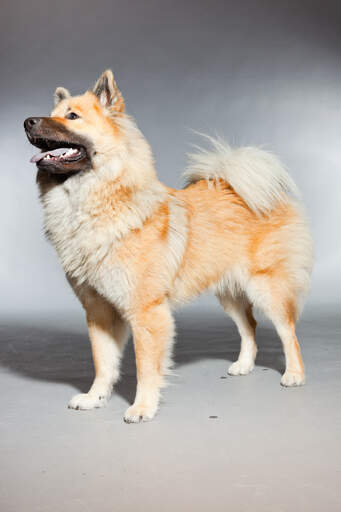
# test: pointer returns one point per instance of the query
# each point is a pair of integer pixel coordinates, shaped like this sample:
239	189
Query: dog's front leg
108	333
153	331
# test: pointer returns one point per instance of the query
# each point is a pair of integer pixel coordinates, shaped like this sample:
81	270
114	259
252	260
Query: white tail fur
257	176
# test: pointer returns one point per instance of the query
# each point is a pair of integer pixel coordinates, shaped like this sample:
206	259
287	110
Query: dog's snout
30	122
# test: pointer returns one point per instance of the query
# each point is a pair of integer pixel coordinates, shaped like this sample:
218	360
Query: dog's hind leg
108	334
279	303
284	322
240	310
294	374
153	331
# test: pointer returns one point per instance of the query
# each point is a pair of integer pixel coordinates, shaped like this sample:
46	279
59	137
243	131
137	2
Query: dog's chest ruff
86	232
81	243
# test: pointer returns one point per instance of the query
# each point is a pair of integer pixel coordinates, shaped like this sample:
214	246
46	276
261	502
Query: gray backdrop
255	72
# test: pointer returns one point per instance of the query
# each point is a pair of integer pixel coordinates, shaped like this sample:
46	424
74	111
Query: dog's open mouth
55	152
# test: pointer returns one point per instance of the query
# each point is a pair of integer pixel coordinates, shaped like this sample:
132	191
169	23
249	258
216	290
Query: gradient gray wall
256	72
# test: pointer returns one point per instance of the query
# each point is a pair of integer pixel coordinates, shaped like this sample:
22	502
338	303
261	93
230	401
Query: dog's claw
136	414
86	401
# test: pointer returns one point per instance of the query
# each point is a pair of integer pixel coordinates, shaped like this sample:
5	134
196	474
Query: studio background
255	72
259	72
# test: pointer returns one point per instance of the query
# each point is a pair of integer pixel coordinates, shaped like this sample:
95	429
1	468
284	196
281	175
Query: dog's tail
257	176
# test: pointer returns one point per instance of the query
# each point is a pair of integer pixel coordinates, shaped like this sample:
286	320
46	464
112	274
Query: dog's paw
138	413
241	368
85	401
292	379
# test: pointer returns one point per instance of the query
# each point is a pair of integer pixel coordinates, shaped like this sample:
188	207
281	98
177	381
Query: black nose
30	122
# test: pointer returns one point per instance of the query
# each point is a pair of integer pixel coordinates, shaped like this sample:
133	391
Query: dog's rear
255	245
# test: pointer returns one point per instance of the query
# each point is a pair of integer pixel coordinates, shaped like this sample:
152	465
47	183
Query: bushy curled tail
257	176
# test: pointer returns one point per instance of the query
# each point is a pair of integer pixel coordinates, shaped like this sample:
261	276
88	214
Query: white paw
137	413
241	368
292	379
85	401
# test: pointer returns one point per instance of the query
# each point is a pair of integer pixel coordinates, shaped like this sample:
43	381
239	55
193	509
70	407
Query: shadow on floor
51	353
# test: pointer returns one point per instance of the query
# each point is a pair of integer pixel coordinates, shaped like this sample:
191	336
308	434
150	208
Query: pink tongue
53	152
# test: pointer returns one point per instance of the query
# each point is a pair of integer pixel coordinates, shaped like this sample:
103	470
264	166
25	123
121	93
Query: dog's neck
113	197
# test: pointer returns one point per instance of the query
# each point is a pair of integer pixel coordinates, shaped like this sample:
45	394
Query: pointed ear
60	94
108	93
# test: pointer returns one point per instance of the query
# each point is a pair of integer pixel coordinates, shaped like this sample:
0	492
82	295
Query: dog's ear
108	93
60	94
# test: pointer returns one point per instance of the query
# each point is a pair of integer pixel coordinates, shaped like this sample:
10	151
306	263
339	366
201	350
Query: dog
133	249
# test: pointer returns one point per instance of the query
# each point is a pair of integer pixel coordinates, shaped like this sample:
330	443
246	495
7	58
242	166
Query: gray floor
265	449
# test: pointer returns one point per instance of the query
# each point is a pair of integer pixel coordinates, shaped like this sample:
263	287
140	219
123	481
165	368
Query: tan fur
133	249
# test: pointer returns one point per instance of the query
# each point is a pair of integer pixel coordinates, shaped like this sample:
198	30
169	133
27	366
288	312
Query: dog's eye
72	115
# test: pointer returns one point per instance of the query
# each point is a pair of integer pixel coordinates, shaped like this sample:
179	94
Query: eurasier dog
132	249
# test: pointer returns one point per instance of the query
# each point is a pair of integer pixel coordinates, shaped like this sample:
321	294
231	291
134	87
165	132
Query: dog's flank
132	248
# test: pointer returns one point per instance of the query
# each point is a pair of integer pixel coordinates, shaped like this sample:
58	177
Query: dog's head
80	130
